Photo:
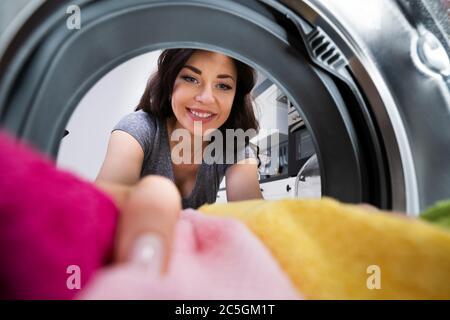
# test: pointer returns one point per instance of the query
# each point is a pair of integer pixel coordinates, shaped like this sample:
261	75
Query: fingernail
148	252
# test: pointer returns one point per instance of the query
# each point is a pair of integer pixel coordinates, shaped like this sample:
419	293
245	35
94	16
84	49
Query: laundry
49	221
333	250
286	249
438	214
213	258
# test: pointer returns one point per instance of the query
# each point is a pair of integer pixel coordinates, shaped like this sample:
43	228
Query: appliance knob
432	53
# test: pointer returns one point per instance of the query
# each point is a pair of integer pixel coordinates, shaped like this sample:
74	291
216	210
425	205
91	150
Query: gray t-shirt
152	135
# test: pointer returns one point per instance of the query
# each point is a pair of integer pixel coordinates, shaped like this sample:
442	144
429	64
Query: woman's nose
205	96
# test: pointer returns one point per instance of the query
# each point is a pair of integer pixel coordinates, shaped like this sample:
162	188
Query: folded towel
213	258
335	251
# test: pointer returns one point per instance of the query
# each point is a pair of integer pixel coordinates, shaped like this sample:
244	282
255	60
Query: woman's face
204	91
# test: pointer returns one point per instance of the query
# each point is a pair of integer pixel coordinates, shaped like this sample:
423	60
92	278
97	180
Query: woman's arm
242	181
150	205
123	160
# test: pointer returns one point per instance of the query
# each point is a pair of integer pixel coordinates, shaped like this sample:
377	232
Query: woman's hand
149	211
242	181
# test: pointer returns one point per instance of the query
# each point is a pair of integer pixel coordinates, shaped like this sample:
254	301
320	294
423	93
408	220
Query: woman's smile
200	115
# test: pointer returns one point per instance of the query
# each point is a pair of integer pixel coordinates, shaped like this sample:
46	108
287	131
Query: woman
191	87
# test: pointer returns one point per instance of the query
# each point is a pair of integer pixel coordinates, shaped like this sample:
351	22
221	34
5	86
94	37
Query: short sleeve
141	126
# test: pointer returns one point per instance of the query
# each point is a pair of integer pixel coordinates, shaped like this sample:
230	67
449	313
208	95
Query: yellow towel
332	250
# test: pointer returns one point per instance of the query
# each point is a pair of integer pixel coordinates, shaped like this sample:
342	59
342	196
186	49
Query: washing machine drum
370	78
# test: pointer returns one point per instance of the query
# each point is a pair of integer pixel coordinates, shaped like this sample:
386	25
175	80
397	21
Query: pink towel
51	219
213	258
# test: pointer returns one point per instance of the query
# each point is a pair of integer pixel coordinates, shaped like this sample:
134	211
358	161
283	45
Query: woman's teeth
201	114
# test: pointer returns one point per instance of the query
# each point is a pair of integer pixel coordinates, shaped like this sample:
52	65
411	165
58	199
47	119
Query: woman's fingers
147	223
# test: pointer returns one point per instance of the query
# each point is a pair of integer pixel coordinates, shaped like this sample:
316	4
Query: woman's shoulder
140	125
138	118
139	121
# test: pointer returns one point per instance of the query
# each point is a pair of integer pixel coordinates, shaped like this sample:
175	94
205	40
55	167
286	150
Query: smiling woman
203	91
191	89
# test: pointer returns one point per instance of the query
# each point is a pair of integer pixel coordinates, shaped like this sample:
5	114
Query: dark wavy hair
156	97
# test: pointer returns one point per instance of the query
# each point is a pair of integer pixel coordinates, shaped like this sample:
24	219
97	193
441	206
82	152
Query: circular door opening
46	70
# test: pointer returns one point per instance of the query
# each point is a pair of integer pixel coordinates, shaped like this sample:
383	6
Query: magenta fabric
49	220
213	258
